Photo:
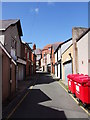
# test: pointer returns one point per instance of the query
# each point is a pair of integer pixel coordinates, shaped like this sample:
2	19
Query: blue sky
45	23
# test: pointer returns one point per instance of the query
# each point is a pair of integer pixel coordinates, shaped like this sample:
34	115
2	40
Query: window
28	55
25	50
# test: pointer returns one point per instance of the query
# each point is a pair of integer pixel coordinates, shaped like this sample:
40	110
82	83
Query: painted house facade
38	54
53	48
8	68
11	32
67	63
83	55
58	61
76	33
46	58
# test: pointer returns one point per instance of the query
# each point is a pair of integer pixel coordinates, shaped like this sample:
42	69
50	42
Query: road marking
74	99
30	87
63	87
18	104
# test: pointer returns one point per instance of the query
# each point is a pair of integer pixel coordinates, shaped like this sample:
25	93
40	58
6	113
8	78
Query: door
67	70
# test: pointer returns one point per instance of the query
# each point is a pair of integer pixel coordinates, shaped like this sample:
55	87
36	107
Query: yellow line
75	99
63	87
18	104
31	87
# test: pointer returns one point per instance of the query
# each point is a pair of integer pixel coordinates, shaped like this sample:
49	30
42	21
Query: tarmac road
47	99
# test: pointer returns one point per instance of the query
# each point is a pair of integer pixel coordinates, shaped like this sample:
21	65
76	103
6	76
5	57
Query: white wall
65	46
59	53
56	70
38	57
55	57
48	59
2	39
82	46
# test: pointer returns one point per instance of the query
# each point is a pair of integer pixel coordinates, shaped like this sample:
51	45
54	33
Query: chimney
34	47
76	32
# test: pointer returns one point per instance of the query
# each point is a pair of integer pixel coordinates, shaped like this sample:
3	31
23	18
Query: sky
47	22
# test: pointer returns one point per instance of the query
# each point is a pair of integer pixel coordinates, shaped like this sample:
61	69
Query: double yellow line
18	104
74	99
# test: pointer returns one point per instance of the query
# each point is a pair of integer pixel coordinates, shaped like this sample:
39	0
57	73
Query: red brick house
33	65
28	59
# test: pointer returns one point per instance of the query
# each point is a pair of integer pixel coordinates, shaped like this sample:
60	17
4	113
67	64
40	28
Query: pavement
10	104
46	99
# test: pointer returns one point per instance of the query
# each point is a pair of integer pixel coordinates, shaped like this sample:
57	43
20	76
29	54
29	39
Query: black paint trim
66	62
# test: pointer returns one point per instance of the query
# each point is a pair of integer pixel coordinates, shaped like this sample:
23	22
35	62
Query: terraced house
10	38
46	58
68	55
19	58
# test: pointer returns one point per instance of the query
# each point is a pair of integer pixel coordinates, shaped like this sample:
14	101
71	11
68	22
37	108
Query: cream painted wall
89	53
82	47
66	57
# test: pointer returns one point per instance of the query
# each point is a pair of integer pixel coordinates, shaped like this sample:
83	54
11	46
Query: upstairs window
28	55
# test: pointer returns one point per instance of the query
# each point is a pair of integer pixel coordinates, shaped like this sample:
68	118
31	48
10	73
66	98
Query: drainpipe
72	61
10	77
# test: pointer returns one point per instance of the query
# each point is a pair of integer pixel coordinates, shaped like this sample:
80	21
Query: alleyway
47	99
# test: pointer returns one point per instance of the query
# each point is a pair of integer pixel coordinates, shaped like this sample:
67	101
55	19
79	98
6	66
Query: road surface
47	99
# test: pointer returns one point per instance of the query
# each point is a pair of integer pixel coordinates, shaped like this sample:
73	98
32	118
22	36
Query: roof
6	52
55	45
38	51
83	34
47	46
62	44
4	24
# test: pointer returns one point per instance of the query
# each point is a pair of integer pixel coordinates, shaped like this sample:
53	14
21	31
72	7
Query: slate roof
84	33
4	24
55	45
38	51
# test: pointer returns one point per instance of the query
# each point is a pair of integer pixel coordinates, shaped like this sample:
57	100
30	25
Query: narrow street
47	99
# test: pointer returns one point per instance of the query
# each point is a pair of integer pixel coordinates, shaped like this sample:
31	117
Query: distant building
38	54
46	58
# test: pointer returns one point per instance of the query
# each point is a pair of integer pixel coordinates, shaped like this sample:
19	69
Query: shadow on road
30	107
44	78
